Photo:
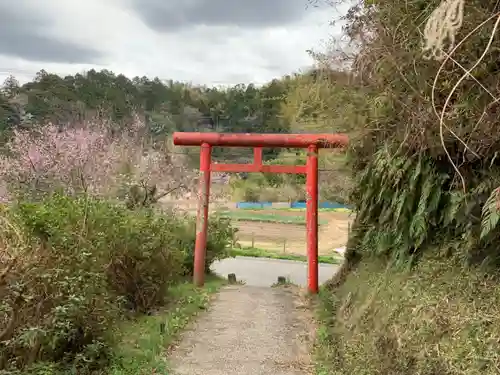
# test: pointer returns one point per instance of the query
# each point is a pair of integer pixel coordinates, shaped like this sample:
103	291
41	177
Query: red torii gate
313	142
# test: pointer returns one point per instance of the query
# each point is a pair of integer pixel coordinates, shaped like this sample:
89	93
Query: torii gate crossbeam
313	142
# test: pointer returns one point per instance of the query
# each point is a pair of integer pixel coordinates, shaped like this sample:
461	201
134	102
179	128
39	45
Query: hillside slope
439	319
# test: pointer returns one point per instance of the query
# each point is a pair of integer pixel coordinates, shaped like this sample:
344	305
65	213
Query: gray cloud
163	15
21	35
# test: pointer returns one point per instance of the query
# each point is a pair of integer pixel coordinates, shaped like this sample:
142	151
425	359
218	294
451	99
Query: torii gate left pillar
313	142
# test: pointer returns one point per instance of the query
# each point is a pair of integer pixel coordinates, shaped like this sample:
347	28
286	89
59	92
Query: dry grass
439	319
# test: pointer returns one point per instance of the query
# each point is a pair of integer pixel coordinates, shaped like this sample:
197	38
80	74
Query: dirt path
248	330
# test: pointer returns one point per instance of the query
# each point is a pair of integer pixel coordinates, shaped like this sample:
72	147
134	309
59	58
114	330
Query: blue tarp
320	205
257	205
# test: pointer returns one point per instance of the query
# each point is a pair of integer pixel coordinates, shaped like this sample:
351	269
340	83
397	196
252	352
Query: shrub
257	189
72	265
221	236
138	248
146	259
246	191
52	276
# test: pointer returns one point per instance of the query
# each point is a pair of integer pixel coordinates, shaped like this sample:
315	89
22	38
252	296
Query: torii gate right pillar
312	218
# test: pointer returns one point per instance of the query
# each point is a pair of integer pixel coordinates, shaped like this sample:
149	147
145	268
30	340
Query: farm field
281	230
269	216
285	231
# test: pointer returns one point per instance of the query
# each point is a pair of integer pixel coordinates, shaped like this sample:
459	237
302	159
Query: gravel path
248	331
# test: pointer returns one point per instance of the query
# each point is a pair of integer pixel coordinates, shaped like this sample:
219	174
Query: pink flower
86	158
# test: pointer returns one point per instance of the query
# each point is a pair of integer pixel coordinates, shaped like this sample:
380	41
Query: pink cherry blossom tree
92	159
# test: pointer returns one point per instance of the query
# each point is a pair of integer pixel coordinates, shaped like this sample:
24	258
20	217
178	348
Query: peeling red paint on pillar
202	215
312	218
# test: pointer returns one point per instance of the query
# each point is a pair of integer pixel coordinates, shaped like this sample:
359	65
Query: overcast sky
209	42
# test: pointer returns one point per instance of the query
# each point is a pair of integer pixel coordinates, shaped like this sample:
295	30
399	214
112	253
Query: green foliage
323	100
143	196
491	214
263	253
402	93
287	158
256	188
423	191
275	217
273	187
49	305
220	239
404	204
137	249
326	101
74	266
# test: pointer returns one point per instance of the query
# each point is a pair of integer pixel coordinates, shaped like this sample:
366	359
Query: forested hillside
167	105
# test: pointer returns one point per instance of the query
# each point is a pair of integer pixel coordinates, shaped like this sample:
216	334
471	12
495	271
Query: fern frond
490	213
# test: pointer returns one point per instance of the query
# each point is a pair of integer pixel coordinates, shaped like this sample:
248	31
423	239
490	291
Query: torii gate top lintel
260	140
